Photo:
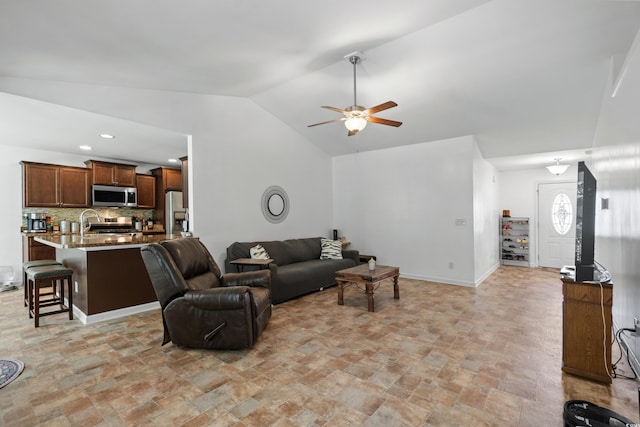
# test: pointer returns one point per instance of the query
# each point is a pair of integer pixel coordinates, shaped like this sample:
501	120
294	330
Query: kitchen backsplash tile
73	214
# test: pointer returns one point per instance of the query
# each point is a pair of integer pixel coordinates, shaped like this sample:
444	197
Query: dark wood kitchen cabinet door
124	175
74	188
39	185
173	179
105	173
55	186
167	179
32	250
146	185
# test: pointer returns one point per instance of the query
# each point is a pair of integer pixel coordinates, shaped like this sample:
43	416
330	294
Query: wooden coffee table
361	275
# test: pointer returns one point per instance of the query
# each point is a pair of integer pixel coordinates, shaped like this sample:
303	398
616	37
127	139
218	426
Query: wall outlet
76	286
636	324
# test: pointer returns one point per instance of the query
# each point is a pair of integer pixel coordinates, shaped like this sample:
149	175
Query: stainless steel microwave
107	195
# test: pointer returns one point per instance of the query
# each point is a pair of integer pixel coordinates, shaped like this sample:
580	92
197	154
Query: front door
557	224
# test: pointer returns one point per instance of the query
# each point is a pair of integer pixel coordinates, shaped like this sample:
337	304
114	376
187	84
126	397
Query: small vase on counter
372	264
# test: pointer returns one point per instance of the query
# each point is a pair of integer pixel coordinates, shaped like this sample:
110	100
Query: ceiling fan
356	117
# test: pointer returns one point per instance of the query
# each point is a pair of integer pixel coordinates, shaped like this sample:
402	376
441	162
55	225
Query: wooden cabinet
74	187
146	185
172	179
586	330
32	250
167	179
185	181
46	185
106	173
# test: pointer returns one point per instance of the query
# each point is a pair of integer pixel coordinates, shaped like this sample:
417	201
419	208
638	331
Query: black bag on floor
578	413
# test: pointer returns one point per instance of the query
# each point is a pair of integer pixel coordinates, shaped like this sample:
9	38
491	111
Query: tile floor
442	355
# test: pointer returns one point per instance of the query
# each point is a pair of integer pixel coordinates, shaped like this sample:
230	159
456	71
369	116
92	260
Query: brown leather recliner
200	307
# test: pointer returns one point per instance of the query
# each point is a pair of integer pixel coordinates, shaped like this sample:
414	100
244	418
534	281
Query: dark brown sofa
297	268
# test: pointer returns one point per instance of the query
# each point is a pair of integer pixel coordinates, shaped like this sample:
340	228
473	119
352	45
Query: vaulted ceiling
524	77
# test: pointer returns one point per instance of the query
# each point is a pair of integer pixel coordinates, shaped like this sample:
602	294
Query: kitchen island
110	279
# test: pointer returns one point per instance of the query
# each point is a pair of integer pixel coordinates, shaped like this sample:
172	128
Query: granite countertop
60	233
100	241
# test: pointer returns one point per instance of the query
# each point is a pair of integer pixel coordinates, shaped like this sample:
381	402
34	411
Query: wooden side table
240	263
586	341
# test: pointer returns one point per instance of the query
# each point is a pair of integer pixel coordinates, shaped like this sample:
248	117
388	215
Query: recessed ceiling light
106	136
85	147
173	160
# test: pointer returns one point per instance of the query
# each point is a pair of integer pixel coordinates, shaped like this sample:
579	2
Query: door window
561	214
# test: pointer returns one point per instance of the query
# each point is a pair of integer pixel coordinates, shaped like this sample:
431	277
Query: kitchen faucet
82	228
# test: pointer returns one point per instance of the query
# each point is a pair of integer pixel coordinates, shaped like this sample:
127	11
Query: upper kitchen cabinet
106	173
169	179
46	185
146	185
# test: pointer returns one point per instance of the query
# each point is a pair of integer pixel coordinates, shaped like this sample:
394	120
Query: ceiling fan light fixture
557	169
355	123
356	116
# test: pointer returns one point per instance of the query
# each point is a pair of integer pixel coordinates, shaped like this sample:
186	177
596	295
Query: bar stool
30	264
44	276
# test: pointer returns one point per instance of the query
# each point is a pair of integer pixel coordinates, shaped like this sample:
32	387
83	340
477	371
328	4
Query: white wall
401	204
616	166
518	192
485	217
237	150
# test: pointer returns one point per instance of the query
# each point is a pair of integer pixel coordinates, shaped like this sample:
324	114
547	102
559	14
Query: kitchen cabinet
32	250
185	181
146	187
105	173
167	179
46	185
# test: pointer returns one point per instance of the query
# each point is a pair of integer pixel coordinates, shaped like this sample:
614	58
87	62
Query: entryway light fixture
558	169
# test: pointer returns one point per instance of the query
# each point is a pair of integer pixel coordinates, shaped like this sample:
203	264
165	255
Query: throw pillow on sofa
330	249
258	252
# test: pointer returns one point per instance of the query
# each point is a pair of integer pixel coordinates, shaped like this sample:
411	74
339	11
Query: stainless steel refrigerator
175	213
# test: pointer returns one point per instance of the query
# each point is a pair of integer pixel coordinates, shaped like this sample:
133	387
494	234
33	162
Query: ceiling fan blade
328	121
381	107
337	110
383	121
352	132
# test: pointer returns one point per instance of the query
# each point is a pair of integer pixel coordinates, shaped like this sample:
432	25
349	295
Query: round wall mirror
275	204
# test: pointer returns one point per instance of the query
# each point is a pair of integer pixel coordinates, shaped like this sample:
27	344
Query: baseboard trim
487	274
443	280
448	281
114	314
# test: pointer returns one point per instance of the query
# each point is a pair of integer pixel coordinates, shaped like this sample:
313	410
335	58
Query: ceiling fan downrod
354	59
